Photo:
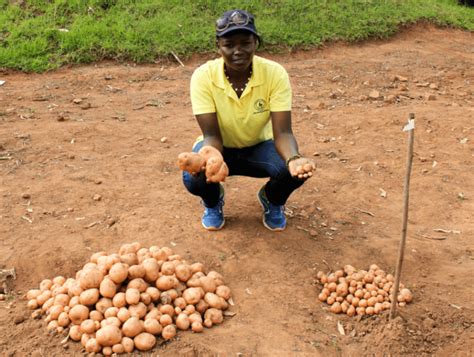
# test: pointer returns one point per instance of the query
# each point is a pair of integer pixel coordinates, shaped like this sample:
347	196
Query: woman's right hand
208	159
216	168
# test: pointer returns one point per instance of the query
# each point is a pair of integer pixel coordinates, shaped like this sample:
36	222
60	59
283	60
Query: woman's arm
285	141
210	130
287	146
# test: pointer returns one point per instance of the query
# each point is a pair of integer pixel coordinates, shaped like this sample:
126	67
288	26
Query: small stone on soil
400	78
111	222
62	117
390	99
423	84
18	320
375	94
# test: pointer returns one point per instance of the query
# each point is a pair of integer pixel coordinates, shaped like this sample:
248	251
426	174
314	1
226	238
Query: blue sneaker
213	217
273	215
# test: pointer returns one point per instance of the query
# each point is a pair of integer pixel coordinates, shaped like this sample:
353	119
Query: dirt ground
88	162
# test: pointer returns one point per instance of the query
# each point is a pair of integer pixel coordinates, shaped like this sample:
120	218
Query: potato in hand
191	162
216	170
208	159
209	151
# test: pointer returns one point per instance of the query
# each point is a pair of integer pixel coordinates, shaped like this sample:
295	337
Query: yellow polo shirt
243	121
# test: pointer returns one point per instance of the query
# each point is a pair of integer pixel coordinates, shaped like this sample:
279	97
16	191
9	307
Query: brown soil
56	155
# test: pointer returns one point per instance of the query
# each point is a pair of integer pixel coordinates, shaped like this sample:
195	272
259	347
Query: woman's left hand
301	168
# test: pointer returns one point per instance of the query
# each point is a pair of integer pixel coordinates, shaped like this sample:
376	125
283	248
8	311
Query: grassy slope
40	35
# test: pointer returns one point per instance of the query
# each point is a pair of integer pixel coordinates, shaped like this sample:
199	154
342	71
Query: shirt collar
219	79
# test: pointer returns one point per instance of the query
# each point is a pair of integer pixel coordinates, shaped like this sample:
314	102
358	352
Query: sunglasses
237	18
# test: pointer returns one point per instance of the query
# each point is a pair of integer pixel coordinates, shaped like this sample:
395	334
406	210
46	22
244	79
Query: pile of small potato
122	301
360	292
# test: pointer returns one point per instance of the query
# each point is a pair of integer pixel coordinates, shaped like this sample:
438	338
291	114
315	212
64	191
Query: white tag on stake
410	125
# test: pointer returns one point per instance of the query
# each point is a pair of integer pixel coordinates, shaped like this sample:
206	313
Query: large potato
78	313
144	341
108	335
90	278
132	327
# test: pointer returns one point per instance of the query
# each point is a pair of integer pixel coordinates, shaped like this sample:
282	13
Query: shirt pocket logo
260	106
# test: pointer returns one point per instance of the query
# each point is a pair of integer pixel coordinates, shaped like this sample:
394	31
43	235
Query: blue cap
235	20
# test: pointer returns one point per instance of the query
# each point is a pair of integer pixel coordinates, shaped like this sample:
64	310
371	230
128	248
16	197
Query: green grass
42	35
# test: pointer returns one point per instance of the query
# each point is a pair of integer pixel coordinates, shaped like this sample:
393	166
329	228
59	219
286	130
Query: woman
242	103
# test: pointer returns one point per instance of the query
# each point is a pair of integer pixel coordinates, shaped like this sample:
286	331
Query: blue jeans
261	160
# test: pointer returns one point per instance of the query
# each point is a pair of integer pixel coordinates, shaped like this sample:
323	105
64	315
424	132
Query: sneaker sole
263	218
213	228
270	228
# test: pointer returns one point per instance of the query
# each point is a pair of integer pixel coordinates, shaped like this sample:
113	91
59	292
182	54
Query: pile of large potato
122	301
360	292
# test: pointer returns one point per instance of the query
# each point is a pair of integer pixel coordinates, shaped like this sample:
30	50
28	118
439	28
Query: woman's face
237	50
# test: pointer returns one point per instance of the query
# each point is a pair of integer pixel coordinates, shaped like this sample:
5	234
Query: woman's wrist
291	158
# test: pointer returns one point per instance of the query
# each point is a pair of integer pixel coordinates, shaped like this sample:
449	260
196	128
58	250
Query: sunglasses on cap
237	18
